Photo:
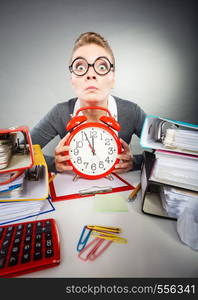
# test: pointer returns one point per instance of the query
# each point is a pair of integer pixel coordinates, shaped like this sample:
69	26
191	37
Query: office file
35	183
165	134
175	169
151	201
16	150
161	199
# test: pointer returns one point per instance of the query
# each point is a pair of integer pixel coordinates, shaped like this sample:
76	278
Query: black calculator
27	247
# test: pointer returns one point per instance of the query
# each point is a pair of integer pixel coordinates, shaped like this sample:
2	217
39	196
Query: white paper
187	226
64	184
175	169
32	190
15	211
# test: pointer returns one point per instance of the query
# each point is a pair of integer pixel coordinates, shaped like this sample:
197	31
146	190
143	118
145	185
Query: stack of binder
169	177
23	175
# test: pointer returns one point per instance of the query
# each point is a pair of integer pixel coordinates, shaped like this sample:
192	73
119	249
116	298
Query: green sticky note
110	203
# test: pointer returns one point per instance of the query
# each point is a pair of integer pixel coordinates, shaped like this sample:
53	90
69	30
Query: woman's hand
126	159
61	159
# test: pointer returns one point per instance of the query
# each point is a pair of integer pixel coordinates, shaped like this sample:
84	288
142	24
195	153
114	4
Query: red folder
125	187
16	153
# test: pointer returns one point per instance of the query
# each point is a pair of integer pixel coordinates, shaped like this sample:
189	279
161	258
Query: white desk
153	249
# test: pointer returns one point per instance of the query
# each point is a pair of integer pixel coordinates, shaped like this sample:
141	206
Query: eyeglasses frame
90	65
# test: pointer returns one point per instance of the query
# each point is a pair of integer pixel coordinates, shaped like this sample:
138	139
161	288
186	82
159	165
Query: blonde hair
93	38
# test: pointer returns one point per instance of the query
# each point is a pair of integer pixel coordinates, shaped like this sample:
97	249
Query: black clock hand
89	143
94	152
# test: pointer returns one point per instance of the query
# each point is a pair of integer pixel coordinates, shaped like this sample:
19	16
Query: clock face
93	150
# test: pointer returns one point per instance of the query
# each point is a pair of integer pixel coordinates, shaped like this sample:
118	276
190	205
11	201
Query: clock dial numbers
76	151
110	150
85	163
93	151
107	142
93	134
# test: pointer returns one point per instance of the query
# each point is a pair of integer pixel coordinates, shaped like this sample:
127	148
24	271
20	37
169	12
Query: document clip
95	190
109	236
83	238
104	228
35	173
16	150
99	246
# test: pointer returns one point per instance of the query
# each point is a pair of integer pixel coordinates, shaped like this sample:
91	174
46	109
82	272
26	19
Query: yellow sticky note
110	203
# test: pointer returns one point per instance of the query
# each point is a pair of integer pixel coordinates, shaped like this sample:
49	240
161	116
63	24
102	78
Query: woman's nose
91	77
91	74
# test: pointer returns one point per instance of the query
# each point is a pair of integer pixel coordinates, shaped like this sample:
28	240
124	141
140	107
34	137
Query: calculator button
20	227
38	246
29	231
38	237
37	255
6	243
25	258
2	261
39	230
28	239
27	248
19	233
17	241
15	250
48	235
10	229
48	243
49	252
48	222
29	226
13	260
3	252
38	224
1	232
8	235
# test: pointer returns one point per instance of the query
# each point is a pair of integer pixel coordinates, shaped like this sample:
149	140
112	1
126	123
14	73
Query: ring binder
15	155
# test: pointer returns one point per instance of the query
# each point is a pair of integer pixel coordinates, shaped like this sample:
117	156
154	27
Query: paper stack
23	177
181	139
175	200
171	169
175	169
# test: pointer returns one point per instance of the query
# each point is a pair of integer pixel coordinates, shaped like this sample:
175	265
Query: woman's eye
80	68
102	67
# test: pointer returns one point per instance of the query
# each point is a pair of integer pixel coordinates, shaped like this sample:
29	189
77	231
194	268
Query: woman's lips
91	88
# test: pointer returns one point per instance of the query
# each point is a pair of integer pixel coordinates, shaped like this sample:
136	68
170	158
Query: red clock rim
99	125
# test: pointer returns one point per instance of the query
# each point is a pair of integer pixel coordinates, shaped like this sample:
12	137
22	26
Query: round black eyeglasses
101	66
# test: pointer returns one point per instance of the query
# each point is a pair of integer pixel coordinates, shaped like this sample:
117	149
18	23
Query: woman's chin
92	102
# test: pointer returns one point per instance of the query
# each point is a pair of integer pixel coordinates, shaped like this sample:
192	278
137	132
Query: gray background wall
154	43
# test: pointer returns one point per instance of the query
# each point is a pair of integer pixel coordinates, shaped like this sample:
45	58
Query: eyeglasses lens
102	66
80	66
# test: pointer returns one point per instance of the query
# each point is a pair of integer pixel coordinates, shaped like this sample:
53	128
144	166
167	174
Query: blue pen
83	238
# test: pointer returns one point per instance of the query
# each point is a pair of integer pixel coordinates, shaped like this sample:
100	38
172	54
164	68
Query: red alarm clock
93	146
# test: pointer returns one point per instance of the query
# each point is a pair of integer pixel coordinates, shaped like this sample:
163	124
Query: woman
92	68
